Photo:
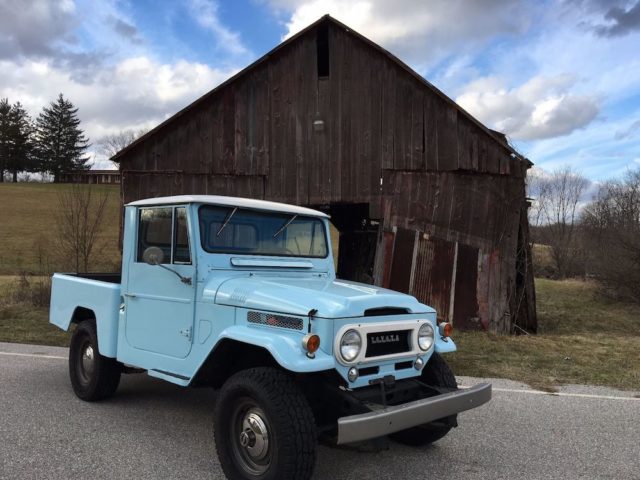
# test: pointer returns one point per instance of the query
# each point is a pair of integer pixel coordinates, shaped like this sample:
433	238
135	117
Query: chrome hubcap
254	437
88	363
251	441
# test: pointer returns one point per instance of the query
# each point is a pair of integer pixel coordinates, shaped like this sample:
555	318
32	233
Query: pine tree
5	135
21	129
61	144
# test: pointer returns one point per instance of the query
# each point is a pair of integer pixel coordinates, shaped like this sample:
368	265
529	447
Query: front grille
274	320
388	343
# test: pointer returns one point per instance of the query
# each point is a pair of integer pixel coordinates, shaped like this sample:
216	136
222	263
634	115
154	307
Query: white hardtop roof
249	203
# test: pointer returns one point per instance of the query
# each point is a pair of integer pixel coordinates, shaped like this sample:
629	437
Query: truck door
159	305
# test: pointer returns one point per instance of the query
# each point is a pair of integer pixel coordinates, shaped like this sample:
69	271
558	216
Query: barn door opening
357	241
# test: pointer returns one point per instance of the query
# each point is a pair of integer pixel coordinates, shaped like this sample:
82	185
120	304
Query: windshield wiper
226	220
283	227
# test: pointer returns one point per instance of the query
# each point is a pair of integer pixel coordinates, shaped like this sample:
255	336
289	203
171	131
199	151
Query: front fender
285	349
445	345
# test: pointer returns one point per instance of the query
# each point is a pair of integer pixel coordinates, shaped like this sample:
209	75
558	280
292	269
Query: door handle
130	295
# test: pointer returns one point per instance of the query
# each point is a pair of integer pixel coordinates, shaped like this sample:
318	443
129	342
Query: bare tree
612	224
538	185
557	214
80	220
109	145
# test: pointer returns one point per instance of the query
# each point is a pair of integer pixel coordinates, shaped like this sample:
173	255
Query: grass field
584	339
28	224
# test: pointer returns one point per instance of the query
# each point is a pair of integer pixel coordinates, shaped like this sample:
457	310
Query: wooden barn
427	199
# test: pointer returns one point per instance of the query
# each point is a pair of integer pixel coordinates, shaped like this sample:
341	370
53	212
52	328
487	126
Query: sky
560	77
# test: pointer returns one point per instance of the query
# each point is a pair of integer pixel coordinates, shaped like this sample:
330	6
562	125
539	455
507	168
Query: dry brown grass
584	338
20	320
28	226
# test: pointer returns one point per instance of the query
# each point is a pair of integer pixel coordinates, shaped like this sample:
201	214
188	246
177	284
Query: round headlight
425	336
350	345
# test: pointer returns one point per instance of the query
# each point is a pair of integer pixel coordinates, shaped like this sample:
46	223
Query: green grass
28	221
584	339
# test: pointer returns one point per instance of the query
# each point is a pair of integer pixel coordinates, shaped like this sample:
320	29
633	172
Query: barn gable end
330	120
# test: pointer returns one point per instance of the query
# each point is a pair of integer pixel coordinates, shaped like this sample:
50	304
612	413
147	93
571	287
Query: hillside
28	227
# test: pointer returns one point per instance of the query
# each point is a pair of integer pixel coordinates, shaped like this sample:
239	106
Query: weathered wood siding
386	138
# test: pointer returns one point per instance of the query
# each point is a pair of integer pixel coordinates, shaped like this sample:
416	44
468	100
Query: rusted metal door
465	303
433	274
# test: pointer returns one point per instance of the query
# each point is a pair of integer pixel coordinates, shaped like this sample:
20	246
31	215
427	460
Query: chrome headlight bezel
355	341
426	336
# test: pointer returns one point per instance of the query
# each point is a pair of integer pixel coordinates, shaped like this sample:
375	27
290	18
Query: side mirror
153	256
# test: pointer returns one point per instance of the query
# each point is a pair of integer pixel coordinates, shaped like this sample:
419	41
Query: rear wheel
437	374
93	376
264	427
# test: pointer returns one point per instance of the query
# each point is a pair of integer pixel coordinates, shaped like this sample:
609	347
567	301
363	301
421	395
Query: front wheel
93	376
264	427
437	374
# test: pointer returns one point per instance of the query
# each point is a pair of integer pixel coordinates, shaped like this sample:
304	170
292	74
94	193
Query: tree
80	220
538	191
612	226
558	214
5	135
111	144
20	157
61	142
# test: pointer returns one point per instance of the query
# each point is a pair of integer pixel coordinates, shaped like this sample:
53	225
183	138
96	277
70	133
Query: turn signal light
445	329
311	342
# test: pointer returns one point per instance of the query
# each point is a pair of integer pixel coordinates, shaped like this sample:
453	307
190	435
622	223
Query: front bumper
392	419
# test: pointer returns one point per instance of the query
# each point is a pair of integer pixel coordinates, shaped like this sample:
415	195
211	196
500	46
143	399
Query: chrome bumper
400	417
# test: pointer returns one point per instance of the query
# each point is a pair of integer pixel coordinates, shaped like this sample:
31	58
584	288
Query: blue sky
561	77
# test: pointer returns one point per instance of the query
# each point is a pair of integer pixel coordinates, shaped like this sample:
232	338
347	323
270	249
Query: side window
165	228
181	253
154	230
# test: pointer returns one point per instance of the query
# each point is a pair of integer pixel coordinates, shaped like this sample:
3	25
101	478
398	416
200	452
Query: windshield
250	232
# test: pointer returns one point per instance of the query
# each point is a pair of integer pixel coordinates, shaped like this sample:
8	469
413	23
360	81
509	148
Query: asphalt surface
154	430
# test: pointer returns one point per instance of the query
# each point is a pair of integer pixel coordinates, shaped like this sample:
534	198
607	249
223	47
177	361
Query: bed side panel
69	293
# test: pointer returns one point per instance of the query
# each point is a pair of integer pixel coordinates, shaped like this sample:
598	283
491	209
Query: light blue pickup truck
242	295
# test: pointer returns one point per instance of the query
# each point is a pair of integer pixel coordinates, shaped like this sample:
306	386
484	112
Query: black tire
438	374
93	376
257	400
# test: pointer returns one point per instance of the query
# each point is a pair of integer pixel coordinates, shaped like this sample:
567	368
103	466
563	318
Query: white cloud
628	132
542	107
205	12
134	93
419	32
95	55
32	27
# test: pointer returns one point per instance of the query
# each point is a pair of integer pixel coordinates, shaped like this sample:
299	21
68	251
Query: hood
297	296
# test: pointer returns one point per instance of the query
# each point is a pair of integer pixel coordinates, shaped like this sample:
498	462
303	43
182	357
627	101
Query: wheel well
81	313
229	357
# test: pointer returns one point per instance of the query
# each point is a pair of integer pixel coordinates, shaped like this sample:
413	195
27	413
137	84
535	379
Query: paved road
155	430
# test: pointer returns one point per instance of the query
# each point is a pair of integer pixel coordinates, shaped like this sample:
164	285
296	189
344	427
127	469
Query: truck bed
100	277
79	296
